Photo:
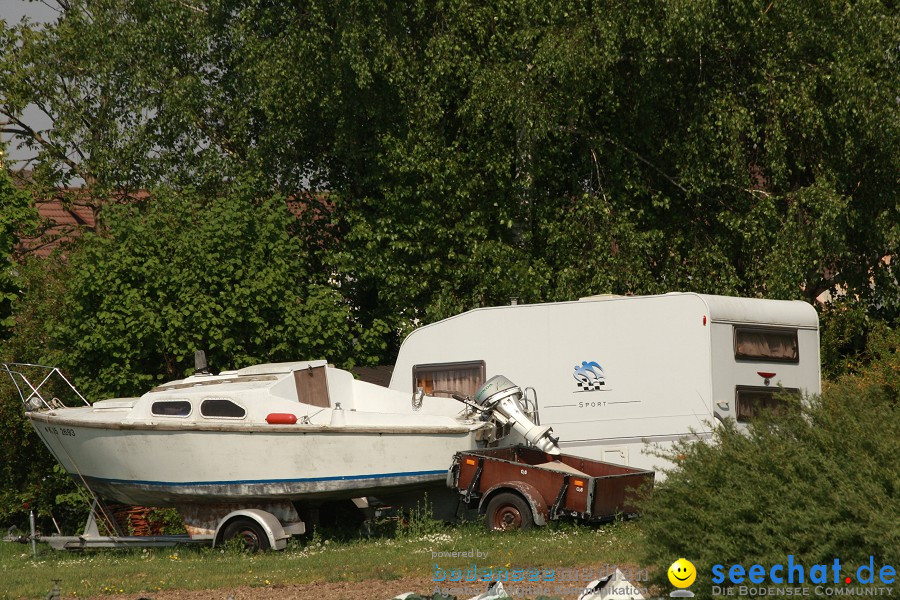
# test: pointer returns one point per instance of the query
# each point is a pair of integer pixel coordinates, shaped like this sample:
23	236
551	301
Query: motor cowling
503	398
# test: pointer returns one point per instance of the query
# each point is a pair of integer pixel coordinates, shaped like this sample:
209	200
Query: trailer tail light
704	320
469	461
281	419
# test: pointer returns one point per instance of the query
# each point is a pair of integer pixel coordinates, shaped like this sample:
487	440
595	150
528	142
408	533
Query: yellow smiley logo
682	573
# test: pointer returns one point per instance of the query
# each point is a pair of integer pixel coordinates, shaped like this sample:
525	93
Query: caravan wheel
508	512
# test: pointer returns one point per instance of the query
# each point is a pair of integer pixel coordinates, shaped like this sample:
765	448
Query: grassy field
318	558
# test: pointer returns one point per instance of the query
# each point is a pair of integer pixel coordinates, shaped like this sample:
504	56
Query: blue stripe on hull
168	493
269	481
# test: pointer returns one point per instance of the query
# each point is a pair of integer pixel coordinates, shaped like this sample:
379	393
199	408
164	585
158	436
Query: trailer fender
527	491
269	523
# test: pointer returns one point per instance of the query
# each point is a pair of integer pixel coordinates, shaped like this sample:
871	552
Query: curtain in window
444	381
773	345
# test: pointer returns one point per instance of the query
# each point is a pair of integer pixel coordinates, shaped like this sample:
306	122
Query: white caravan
613	374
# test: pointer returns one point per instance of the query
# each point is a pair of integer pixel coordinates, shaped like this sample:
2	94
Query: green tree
181	272
472	152
564	148
17	216
29	475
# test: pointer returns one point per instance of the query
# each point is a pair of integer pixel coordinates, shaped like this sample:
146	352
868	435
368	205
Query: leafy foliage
179	273
17	216
819	482
555	150
28	472
442	156
30	478
475	152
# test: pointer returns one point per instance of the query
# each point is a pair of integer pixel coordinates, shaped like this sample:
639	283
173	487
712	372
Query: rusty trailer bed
553	486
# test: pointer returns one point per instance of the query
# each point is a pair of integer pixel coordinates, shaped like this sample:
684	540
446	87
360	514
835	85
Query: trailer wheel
508	512
248	533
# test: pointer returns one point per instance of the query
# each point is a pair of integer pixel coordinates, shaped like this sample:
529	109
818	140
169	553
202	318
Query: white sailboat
270	432
280	431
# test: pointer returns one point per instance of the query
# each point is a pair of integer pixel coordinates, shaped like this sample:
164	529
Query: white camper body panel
667	363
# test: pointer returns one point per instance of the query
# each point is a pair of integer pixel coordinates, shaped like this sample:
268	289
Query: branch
648	163
72	102
30	132
46	110
62	4
202	11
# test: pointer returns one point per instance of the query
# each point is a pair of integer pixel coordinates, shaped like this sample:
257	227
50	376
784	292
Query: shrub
821	481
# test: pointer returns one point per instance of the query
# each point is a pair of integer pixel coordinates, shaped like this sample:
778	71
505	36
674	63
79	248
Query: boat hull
153	466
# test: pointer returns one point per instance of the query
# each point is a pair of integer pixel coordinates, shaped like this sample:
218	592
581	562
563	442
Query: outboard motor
502	397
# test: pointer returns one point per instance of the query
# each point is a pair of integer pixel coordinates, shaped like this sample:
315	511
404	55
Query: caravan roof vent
601	297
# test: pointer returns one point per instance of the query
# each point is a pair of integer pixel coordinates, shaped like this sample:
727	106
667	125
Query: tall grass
318	558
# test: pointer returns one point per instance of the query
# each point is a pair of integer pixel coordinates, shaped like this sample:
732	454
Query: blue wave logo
590	376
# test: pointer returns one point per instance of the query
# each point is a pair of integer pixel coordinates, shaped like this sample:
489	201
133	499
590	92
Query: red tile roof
61	222
378	375
71	212
65	216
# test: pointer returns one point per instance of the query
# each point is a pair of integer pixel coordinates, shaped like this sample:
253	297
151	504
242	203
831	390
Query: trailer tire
249	533
508	512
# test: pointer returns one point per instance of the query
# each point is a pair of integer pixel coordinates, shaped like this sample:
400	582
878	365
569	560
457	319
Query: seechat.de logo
796	573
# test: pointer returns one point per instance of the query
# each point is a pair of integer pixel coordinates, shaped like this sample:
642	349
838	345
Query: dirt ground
366	590
375	589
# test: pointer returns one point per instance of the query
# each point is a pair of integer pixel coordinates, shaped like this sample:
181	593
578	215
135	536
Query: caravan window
221	408
444	379
751	401
766	344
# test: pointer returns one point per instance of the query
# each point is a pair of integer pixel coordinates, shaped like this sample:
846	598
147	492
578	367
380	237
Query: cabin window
445	379
171	408
751	401
758	343
221	408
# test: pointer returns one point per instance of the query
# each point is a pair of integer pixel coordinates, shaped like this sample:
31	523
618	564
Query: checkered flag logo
589	376
587	386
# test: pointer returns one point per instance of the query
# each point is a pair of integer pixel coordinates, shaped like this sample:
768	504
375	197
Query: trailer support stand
475	481
560	498
33	534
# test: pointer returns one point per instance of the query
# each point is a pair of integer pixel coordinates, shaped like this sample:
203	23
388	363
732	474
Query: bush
820	482
853	337
184	272
30	478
